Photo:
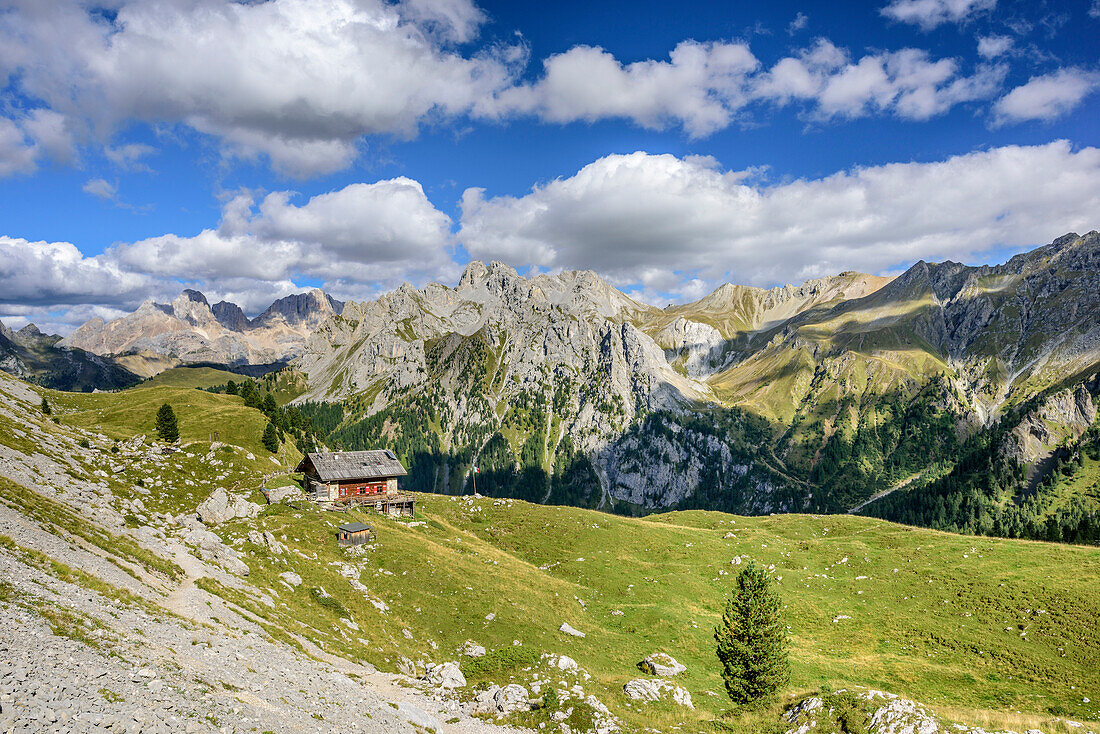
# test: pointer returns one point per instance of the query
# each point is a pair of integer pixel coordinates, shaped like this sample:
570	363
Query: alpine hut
364	478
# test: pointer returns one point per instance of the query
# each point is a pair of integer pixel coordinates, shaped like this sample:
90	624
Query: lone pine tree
752	642
167	428
270	438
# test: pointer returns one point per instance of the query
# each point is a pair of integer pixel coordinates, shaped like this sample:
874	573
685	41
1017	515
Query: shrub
46	406
497	663
329	602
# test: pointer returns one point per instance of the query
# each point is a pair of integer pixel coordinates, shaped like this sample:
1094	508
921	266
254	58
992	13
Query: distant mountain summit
189	329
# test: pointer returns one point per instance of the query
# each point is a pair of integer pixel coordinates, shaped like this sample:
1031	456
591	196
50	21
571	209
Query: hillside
102	555
32	355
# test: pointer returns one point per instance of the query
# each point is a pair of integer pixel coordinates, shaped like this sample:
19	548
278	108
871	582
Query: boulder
291	578
279	494
445	675
406	666
496	700
569	630
471	649
219	508
417	717
564	662
682	697
643	689
662	664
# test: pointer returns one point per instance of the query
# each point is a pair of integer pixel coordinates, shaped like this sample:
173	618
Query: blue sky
253	150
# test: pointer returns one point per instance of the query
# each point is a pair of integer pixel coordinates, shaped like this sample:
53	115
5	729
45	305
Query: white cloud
990	47
1046	97
295	80
700	87
100	188
929	14
639	218
365	233
801	20
907	83
1094	9
52	273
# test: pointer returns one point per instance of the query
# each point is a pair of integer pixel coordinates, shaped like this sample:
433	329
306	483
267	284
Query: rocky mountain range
189	329
563	389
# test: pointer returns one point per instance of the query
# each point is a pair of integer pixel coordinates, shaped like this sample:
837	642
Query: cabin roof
339	465
354	527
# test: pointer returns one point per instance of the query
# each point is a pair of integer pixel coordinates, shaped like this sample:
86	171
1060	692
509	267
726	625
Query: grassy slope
944	627
202	416
192	377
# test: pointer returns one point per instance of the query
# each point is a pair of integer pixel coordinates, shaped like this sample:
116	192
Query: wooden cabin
354	533
363	478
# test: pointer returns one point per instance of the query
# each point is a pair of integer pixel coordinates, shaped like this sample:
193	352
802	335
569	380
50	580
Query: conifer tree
268	405
46	407
752	641
166	425
270	438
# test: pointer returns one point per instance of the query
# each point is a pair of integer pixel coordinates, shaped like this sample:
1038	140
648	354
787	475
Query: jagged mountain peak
193	295
230	315
300	308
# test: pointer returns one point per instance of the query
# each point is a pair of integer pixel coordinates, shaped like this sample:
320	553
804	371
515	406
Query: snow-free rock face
544	330
191	330
1066	414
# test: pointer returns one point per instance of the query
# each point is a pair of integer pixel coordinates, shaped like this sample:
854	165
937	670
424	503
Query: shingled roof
338	465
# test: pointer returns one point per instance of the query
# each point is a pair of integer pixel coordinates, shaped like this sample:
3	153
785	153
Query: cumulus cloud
359	240
380	232
907	83
929	14
700	87
129	156
53	273
1046	97
638	218
297	81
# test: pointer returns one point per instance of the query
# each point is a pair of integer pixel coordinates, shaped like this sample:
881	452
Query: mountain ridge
796	398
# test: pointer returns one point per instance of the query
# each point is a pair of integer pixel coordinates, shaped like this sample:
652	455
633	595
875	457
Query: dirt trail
883	493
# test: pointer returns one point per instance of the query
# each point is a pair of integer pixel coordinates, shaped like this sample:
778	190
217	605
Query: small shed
354	533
